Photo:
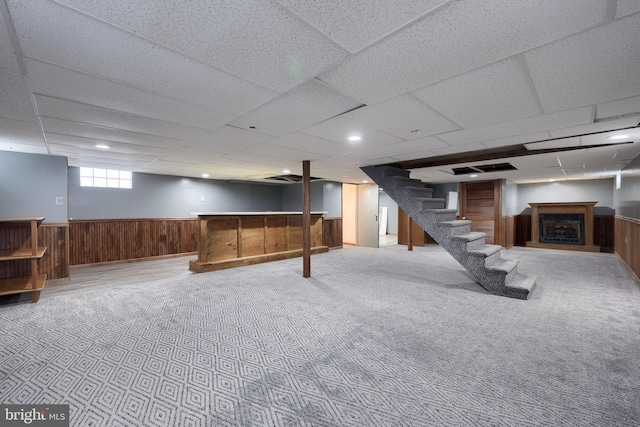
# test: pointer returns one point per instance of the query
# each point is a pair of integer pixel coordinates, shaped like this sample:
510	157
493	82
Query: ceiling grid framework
243	90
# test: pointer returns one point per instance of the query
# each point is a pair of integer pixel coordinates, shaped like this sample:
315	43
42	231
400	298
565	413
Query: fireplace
566	229
563	225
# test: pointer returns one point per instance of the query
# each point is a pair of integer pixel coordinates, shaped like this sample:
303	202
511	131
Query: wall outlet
59	201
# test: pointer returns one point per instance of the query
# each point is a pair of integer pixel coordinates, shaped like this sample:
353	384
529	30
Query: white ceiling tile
285	153
311	144
554	143
588	68
457	38
8	60
14	98
600	139
301	107
228	138
63	83
256	40
22	148
106	155
459	148
404	117
15	131
516	140
89	143
356	24
106	134
579	116
339	129
89	114
98	162
403	148
417	155
618	108
259	159
596	127
497	93
76	41
626	7
192	155
166	166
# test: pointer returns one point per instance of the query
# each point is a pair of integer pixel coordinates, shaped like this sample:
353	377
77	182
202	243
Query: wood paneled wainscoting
627	242
508	231
332	232
113	240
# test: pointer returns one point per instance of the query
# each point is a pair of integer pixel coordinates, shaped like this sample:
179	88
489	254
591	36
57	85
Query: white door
368	215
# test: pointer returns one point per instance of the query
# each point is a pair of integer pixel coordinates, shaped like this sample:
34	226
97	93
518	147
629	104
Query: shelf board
21	253
18	285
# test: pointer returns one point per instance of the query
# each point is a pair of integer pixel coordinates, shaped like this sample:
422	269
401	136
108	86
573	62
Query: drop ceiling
247	89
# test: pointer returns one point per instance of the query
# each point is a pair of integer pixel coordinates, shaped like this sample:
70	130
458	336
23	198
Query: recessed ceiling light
365	181
552	180
355	138
286	171
473	175
103	146
618	137
205	175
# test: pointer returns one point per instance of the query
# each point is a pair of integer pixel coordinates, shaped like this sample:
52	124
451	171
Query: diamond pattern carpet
377	337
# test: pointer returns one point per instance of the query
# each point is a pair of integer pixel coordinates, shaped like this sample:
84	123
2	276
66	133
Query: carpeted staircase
497	275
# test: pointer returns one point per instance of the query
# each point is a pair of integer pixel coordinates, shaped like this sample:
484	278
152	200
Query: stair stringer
484	262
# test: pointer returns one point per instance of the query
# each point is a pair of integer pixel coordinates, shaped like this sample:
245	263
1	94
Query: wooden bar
233	239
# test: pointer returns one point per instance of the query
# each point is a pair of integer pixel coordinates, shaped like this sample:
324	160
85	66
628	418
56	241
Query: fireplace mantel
585	208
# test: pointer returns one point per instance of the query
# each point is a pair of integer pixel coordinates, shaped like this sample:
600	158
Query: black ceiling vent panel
464	171
289	178
498	167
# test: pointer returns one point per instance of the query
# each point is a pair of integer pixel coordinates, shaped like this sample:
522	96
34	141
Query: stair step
469	237
440	215
412	192
506	265
520	281
456	227
473	239
486	251
429	203
403	181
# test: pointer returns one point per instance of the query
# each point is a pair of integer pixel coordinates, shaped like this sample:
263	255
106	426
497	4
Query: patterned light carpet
377	337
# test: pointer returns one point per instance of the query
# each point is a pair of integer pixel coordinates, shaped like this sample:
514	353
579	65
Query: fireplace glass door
566	229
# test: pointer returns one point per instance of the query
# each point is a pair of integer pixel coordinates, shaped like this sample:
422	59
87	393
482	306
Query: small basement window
106	178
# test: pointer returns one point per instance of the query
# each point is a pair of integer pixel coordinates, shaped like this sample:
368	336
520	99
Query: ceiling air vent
464	171
498	167
289	178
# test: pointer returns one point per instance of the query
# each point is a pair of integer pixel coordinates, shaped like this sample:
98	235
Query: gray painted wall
30	184
332	197
627	198
325	197
292	197
509	198
392	212
162	196
600	190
